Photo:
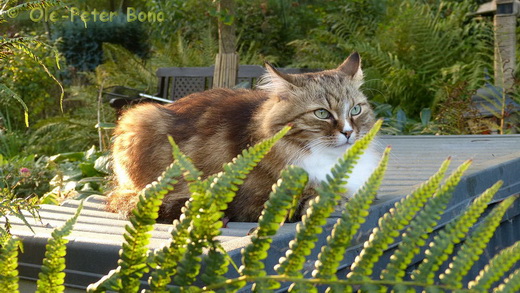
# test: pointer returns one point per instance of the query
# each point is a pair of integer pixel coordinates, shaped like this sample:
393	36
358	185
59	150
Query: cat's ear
277	77
352	67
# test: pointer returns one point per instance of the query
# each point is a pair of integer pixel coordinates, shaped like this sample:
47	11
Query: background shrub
81	43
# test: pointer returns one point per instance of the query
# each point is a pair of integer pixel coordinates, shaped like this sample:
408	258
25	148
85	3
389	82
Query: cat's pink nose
348	133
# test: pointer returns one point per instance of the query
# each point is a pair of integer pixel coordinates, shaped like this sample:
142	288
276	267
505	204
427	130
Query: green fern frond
418	229
496	268
281	200
216	266
474	246
511	283
347	226
166	259
190	173
133	255
443	244
13	206
134	252
320	208
52	277
224	185
202	218
9	264
397	218
205	209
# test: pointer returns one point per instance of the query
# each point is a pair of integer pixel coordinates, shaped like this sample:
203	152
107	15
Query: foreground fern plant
51	277
177	266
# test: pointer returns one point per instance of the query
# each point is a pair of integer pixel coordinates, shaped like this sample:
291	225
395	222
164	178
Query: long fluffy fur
212	127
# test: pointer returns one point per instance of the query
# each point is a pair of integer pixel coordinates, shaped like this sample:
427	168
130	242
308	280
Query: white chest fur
320	161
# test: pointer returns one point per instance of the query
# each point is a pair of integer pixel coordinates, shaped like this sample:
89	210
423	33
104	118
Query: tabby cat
326	109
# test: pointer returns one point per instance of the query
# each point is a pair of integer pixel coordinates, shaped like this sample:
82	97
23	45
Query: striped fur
212	127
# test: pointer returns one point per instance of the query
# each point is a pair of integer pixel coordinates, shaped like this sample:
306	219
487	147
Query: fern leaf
134	252
395	220
167	258
477	242
347	226
52	277
9	264
190	173
416	233
133	255
496	268
290	186
216	266
320	209
443	244
202	218
207	207
510	284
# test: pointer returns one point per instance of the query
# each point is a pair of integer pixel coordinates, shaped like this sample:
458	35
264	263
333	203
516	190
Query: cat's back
211	127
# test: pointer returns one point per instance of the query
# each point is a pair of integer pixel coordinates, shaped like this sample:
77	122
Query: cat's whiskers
304	150
316	146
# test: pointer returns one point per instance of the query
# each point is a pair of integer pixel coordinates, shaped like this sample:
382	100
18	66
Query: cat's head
326	109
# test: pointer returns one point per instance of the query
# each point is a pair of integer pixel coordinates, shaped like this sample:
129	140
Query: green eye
322	114
355	110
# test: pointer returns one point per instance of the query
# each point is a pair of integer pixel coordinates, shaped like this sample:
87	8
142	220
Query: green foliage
329	193
282	199
123	68
511	283
396	122
475	245
411	49
52	277
81	43
208	200
194	234
421	225
51	179
26	47
346	227
25	176
9	262
188	18
79	174
443	244
28	77
496	268
133	255
12	186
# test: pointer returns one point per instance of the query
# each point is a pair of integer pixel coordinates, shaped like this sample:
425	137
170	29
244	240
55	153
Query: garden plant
424	59
178	266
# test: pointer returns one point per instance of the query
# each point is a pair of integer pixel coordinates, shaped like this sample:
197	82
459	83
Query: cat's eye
355	110
322	114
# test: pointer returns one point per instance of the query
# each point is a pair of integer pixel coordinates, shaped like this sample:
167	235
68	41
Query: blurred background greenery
423	61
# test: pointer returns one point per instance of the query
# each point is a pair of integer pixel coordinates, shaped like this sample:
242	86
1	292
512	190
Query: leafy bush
24	78
25	176
396	122
411	49
81	44
79	174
